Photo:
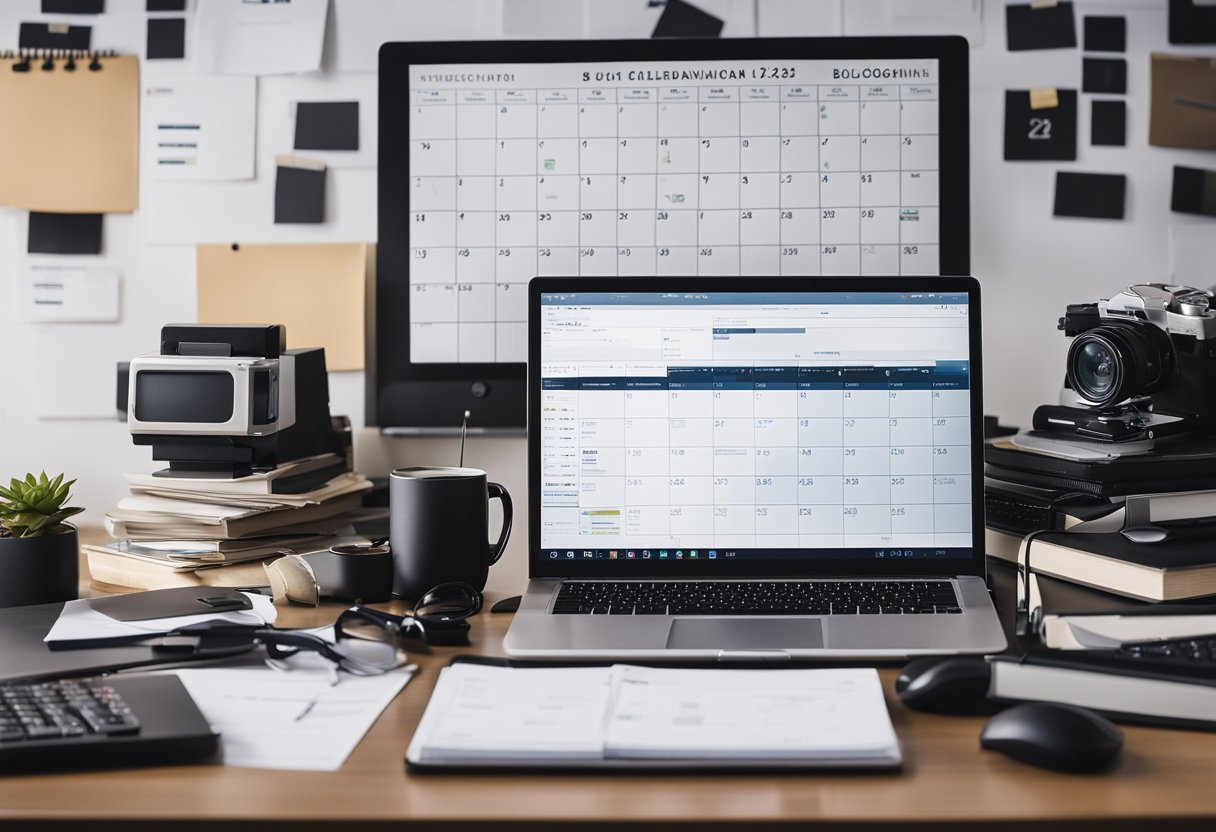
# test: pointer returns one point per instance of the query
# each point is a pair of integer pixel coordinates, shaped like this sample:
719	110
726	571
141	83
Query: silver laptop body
754	469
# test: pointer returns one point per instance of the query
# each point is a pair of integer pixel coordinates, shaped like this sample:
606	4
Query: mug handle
496	490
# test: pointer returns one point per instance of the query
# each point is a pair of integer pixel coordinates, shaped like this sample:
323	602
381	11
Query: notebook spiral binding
49	56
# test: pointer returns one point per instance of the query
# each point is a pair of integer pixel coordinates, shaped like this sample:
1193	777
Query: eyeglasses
438	618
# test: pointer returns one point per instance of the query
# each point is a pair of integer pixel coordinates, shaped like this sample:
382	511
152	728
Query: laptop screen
738	426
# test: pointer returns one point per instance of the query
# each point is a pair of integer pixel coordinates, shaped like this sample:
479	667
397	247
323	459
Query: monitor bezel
406	396
539	567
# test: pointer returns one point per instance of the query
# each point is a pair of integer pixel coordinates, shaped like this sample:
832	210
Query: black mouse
1055	736
953	685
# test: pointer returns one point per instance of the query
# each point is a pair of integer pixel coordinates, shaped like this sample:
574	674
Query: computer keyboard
100	723
756	598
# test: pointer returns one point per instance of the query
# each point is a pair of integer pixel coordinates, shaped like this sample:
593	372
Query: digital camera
1146	356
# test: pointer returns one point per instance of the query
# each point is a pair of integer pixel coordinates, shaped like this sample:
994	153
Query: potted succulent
38	550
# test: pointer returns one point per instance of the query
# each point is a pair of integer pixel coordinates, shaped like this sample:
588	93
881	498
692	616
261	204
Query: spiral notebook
71	140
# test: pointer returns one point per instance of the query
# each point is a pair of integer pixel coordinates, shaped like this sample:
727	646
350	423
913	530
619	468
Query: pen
307	708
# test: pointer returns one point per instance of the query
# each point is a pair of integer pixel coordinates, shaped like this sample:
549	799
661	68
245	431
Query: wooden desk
1165	780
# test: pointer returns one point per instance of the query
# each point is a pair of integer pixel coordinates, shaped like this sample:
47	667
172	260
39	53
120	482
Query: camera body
1149	348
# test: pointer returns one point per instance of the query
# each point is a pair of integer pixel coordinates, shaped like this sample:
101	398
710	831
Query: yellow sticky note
317	290
1043	98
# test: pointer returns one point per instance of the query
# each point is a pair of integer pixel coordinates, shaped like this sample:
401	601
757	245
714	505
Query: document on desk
625	716
289	720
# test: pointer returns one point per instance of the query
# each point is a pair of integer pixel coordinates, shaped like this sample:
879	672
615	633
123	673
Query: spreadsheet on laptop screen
735	425
630	167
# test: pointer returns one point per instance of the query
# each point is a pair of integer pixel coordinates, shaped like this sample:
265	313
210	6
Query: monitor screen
737	426
766	157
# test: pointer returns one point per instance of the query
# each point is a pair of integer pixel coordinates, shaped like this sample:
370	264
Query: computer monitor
755	426
764	157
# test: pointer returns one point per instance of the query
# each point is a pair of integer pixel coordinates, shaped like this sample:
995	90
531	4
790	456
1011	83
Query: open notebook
625	716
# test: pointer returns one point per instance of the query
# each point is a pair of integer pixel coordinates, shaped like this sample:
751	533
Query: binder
71	141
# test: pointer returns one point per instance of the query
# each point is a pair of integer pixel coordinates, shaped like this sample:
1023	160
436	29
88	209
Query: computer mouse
951	685
1055	736
1146	534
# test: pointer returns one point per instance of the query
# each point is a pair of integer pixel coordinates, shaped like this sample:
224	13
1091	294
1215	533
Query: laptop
754	469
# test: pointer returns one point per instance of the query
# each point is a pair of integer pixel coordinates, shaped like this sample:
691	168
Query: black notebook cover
1182	550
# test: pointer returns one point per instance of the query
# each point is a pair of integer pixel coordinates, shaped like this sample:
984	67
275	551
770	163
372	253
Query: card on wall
1092	195
64	233
166	38
1105	34
1194	191
1192	22
1036	133
327	125
1108	123
1183	102
299	190
1035	26
1108	75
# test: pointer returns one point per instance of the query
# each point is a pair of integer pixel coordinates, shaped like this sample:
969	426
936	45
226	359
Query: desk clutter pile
1117	560
191	531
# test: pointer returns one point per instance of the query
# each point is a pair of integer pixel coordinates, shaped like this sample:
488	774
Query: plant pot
39	570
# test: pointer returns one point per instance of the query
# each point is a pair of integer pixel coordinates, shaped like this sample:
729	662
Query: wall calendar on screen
723	167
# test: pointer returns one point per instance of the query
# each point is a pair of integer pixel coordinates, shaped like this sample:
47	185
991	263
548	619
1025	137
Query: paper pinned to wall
360	26
316	290
234	37
72	142
200	128
54	292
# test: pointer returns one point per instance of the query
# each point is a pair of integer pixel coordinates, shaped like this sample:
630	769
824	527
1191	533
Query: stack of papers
625	715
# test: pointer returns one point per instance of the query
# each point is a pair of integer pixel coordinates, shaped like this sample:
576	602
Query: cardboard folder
1183	102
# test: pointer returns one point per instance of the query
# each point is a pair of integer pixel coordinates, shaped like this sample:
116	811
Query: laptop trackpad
744	633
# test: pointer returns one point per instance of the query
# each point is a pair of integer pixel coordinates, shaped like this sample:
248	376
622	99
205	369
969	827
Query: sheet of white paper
200	128
480	712
637	18
278	96
235	37
1106	632
79	621
758	714
51	292
360	26
292	720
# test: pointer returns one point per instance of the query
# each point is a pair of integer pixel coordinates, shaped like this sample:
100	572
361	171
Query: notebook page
749	715
488	714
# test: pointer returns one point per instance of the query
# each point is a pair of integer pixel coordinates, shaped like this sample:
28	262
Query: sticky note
1052	27
1107	75
327	125
1108	123
1194	191
166	38
299	190
64	233
1047	133
1092	195
1105	34
1042	98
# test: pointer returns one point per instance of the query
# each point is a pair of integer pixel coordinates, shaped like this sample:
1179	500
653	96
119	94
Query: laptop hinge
753	656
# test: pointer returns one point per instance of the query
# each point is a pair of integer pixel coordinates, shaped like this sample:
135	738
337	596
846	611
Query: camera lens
1114	362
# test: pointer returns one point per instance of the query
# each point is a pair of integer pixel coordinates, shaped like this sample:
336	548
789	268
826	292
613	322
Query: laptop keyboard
756	598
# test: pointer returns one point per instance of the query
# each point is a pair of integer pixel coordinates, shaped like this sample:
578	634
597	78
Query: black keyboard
756	598
100	723
1176	652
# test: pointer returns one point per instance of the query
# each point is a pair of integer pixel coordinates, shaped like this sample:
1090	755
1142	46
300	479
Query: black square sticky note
299	195
1194	191
684	20
1104	75
1096	195
1046	134
1191	23
1108	123
1105	34
64	233
166	5
327	125
1052	27
41	36
166	37
73	6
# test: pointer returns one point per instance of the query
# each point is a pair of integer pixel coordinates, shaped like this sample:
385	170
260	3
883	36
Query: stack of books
185	531
1112	565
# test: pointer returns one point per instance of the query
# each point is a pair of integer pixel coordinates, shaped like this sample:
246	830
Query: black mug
439	528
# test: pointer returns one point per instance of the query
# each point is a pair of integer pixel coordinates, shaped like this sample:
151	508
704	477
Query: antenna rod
464	426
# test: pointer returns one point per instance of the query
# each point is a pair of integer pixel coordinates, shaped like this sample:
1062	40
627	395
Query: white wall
1030	264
